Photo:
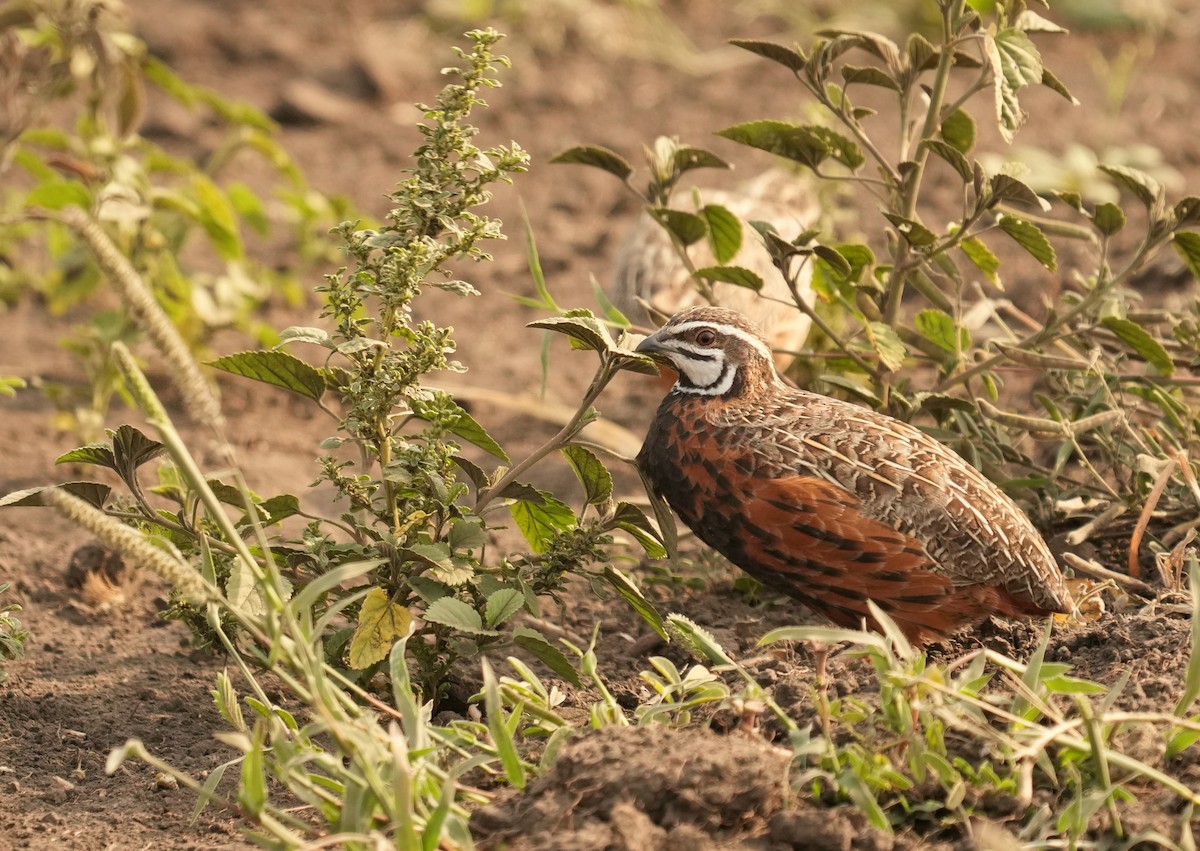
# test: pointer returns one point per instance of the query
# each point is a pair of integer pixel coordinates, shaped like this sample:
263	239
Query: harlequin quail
831	503
648	269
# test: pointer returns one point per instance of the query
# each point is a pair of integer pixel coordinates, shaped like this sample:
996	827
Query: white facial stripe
701	373
732	331
720	387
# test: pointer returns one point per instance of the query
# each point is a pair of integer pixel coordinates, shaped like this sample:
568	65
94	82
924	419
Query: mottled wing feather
810	537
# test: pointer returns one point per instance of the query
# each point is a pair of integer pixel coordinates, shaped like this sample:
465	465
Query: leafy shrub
916	324
74	83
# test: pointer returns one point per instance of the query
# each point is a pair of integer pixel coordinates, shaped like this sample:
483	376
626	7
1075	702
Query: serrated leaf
305	334
592	474
939	327
951	155
983	258
436	554
1140	340
453	417
724	232
454	613
534	643
97	454
91	492
502	605
380	623
541	521
627	589
467	534
1030	237
634	521
1015	63
596	157
958	130
688	228
1143	186
788	57
1108	218
914	233
278	369
586	330
736	275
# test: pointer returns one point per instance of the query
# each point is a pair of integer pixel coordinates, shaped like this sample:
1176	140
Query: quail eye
705	337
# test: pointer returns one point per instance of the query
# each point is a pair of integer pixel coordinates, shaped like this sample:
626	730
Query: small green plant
12	636
915	321
414	507
74	81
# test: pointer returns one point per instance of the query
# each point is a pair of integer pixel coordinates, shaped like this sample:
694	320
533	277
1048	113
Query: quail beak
652	347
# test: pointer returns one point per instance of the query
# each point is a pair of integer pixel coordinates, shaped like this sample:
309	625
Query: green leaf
788	57
1006	188
688	228
837	264
1015	63
627	589
983	258
467	534
380	623
502	605
870	76
56	193
252	791
91	492
1054	84
1143	186
454	613
502	737
218	217
541	522
724	232
1030	237
808	145
1187	211
278	508
596	157
914	233
582	328
1140	340
952	155
958	130
736	275
1108	218
1187	244
278	369
888	345
447	413
634	521
536	644
592	474
688	157
938	327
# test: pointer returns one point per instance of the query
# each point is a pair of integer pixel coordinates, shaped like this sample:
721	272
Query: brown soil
342	83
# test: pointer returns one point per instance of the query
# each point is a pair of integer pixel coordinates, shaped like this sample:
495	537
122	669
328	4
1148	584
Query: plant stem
603	376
